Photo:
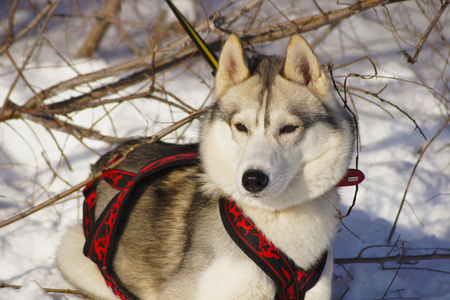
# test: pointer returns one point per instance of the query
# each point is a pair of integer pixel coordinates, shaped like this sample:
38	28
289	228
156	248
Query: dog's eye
241	127
288	129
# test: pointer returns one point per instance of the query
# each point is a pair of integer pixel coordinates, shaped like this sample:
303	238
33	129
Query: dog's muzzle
254	181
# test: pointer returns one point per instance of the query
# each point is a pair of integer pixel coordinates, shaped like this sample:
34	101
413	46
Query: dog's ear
303	67
232	65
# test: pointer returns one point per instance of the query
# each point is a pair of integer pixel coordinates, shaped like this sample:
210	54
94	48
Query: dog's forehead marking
266	91
263	116
267	68
278	93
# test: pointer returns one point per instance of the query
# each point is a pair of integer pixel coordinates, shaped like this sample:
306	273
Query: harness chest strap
290	280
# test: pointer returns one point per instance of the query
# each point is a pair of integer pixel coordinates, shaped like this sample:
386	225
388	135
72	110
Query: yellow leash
207	54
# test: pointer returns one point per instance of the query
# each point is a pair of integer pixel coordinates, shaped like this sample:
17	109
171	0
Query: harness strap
292	282
100	237
115	178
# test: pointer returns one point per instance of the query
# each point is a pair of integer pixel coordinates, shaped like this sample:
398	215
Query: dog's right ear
232	67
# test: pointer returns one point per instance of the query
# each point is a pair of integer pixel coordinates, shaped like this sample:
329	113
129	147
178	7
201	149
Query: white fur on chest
234	278
302	232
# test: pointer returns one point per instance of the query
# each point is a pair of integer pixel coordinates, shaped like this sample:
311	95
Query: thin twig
393	279
51	5
49	290
411	177
10	30
355	122
413	59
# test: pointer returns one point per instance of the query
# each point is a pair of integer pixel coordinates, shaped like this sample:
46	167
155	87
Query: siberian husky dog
276	142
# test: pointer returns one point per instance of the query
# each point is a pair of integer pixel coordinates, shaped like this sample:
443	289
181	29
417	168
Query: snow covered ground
33	169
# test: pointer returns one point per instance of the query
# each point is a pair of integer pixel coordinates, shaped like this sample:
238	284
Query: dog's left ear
232	67
303	67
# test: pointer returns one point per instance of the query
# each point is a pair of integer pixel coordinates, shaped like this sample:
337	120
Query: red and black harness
292	282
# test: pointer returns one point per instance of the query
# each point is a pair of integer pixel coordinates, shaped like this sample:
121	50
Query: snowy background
389	96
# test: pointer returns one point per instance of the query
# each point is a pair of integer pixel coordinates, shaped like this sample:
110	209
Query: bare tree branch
280	30
393	258
49	290
163	62
30	26
51	122
413	59
94	38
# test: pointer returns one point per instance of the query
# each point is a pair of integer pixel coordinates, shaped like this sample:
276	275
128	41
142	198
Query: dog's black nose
254	181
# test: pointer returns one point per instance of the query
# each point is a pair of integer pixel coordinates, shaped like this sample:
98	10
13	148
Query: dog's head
275	136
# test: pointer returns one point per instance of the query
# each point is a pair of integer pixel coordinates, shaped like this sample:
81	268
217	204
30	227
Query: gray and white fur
276	142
